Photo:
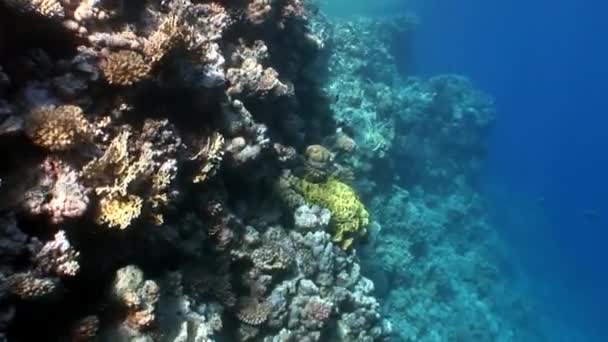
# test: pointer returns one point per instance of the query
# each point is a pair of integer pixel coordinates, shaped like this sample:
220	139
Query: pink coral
318	309
58	193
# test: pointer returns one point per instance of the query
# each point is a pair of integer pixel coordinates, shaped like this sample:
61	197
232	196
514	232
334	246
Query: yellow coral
118	211
163	40
57	128
125	68
110	176
349	216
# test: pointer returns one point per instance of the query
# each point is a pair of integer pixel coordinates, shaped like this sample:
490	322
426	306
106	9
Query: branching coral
28	286
57	128
119	211
124	68
349	216
169	34
57	257
210	156
58	193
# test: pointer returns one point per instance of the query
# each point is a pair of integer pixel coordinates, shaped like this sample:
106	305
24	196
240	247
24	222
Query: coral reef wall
164	174
177	170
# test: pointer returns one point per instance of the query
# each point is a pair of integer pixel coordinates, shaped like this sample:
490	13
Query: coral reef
238	151
349	217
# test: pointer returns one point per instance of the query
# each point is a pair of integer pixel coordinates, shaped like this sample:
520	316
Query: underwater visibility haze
303	170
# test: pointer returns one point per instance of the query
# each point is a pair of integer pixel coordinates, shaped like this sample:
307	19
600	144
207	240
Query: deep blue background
546	64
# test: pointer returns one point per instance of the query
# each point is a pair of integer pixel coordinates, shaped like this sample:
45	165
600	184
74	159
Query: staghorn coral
349	217
118	211
57	128
124	68
58	193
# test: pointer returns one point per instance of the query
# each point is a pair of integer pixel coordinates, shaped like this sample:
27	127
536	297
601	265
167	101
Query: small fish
337	98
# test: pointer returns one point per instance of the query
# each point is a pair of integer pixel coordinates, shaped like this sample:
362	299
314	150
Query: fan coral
57	128
119	211
125	68
349	216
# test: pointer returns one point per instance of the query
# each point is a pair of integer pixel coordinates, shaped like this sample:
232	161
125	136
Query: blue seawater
544	63
544	176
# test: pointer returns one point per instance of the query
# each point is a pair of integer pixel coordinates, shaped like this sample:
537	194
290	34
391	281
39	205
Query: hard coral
252	311
28	286
57	257
46	8
125	68
57	128
210	156
349	216
119	211
58	193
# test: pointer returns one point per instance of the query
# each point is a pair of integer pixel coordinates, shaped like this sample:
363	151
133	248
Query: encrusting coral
349	217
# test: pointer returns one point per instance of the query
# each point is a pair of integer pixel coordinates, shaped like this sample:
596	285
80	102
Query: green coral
349	216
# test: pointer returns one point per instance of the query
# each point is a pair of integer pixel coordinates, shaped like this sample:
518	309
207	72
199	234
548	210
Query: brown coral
163	40
46	8
125	68
57	128
210	156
